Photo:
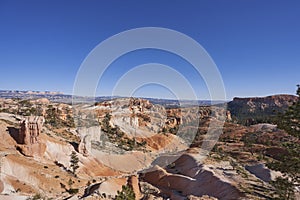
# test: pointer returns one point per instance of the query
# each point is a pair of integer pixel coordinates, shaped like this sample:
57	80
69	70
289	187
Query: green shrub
125	194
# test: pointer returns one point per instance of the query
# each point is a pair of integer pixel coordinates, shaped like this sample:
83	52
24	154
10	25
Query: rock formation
228	116
30	129
263	103
85	145
187	177
133	182
139	104
103	172
257	109
88	135
135	117
29	136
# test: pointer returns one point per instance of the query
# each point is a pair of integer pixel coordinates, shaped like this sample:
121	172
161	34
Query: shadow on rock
14	133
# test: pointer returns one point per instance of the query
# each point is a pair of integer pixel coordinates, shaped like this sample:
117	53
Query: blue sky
254	43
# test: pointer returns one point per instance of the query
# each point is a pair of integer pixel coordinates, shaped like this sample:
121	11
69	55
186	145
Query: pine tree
74	162
290	120
289	164
126	193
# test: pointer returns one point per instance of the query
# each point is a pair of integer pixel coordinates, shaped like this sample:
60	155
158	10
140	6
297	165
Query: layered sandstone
29	134
259	109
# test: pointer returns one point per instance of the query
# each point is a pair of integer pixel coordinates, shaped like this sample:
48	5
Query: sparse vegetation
234	145
288	164
125	194
52	116
74	162
284	189
290	120
249	140
72	190
116	136
37	197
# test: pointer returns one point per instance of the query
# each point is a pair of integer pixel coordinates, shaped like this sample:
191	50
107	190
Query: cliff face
259	109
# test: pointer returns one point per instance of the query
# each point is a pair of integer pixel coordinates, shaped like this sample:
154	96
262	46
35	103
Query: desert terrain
131	148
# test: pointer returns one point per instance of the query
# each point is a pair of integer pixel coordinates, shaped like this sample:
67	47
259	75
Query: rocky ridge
253	110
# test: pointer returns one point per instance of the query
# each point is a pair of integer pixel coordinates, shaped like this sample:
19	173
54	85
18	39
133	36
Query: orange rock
133	181
37	149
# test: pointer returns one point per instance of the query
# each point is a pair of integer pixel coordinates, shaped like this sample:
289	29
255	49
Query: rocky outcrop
109	188
135	117
264	103
177	116
259	109
186	177
228	116
136	104
88	135
29	143
133	182
30	129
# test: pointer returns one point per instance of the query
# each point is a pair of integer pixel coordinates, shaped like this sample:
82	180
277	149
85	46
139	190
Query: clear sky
254	43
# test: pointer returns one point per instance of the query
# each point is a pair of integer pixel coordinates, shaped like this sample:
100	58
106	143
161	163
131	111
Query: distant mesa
273	98
252	110
263	103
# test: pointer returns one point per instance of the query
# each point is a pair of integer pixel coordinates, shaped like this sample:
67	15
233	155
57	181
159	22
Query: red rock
29	136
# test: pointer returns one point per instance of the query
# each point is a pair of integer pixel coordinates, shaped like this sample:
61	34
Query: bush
36	197
74	162
284	189
125	194
72	191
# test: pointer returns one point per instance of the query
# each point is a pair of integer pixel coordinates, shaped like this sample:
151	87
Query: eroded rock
29	142
88	135
185	177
